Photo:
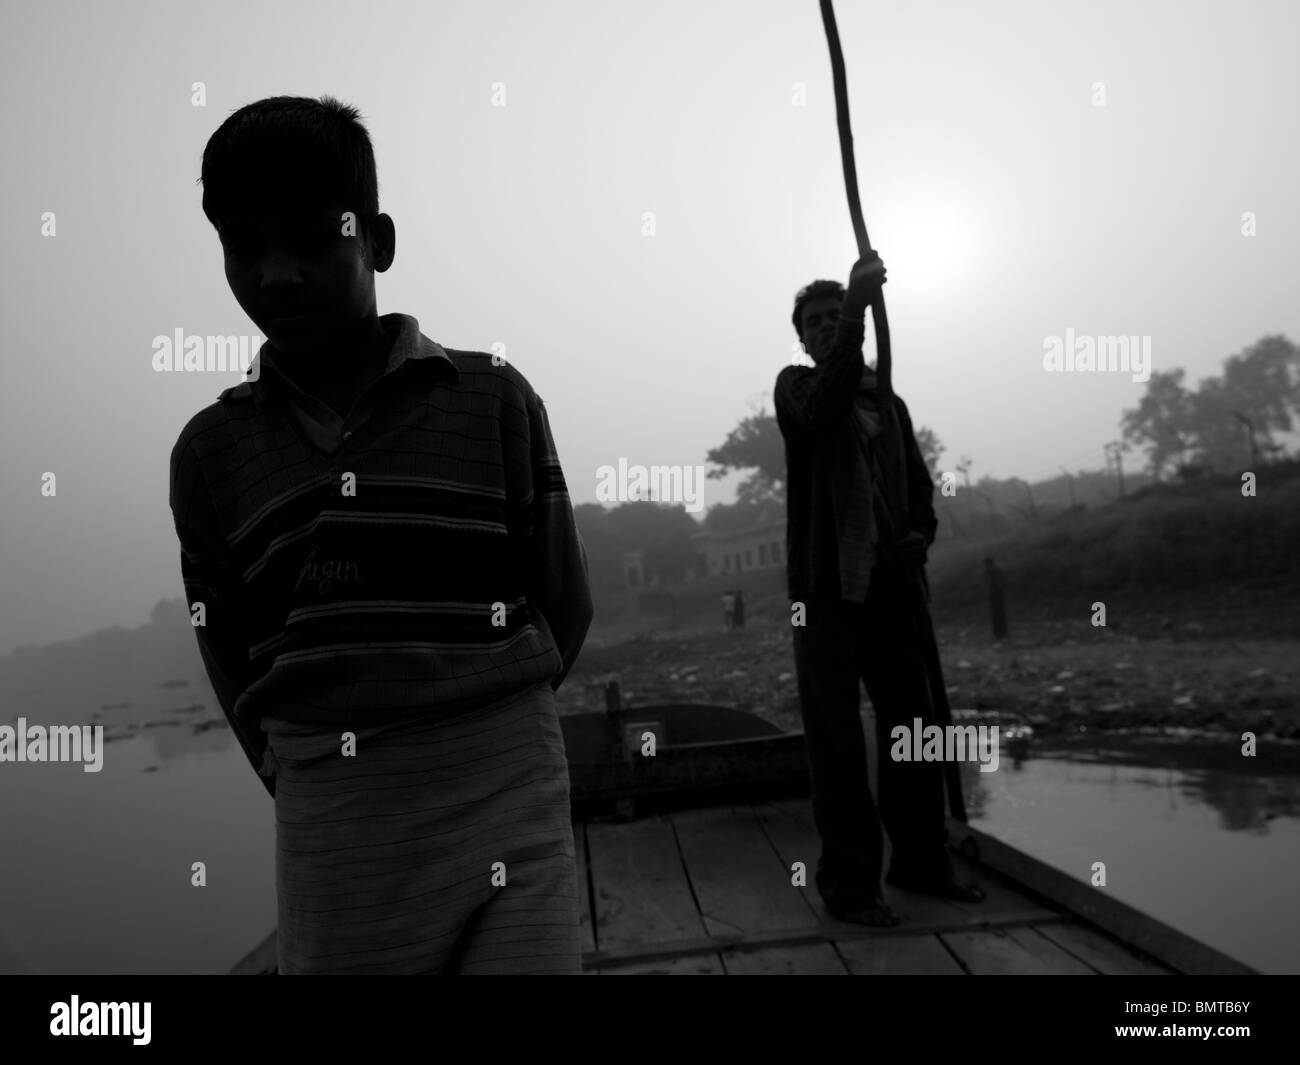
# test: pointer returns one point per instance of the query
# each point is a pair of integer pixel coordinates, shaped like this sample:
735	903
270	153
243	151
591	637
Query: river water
1190	832
98	866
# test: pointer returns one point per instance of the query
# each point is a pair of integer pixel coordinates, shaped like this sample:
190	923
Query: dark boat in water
702	755
692	828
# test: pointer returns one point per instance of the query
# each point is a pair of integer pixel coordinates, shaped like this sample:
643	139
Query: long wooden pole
884	362
884	384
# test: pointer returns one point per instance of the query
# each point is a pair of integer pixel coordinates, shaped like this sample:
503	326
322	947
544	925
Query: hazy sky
1007	207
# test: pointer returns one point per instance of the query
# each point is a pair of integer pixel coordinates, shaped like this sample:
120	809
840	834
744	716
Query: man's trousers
877	643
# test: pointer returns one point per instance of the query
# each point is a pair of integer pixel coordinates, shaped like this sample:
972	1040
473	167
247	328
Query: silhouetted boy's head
289	183
816	310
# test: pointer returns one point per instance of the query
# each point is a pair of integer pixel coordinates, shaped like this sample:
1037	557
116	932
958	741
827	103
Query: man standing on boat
860	520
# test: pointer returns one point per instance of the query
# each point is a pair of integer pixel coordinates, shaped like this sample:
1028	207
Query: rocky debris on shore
1055	680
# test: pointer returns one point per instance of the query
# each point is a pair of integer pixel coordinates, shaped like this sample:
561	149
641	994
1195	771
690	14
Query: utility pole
1115	450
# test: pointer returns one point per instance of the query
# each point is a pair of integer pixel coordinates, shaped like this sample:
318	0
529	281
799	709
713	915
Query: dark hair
814	291
293	148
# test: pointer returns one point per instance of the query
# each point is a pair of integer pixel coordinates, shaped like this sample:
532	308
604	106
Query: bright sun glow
933	240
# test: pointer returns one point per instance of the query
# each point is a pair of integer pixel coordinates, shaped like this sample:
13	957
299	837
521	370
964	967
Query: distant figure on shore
740	609
728	610
997	586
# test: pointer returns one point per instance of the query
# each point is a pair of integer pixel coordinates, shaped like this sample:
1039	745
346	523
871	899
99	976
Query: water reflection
187	740
107	858
1190	831
176	732
1249	794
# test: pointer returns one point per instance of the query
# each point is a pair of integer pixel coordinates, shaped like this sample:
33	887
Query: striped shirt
418	555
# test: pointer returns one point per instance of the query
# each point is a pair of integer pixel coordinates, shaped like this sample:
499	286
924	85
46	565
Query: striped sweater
418	556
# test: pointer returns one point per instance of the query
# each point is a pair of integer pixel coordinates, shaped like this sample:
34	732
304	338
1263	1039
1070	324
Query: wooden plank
903	955
701	965
836	932
1103	954
740	882
999	952
586	931
641	892
813	960
789	826
1049	953
1094	906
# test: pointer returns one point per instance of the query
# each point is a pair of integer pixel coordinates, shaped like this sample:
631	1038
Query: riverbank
1057	676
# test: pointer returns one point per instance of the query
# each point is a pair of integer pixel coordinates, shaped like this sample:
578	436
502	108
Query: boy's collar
410	344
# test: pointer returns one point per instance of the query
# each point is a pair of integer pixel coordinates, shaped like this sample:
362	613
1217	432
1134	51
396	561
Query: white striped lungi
385	861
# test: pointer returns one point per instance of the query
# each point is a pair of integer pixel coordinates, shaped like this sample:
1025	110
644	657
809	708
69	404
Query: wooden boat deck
710	891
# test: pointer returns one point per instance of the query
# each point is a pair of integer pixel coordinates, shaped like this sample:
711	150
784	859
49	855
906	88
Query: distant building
761	547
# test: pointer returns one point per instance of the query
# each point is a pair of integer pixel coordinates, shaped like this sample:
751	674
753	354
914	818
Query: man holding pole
859	524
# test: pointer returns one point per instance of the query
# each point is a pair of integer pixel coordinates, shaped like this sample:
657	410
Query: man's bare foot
876	914
948	888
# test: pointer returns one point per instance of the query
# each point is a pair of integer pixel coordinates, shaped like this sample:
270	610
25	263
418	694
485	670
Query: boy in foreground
393	585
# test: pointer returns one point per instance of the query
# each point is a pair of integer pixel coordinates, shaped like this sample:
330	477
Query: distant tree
1220	442
1230	419
931	450
1262	386
755	445
1163	421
